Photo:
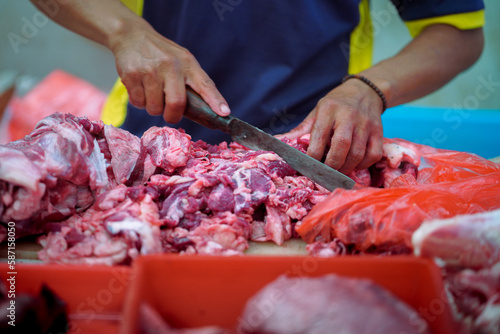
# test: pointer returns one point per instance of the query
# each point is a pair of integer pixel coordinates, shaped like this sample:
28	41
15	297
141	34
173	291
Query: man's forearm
427	63
154	70
101	21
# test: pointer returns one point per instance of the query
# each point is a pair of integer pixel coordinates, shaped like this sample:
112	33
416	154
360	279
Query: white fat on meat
98	172
488	322
466	240
16	168
98	249
148	234
397	153
278	227
267	157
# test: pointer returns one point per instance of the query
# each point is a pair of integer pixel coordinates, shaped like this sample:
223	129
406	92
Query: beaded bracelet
372	86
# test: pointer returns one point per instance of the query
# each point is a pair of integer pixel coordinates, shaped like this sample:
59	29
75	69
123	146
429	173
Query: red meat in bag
456	183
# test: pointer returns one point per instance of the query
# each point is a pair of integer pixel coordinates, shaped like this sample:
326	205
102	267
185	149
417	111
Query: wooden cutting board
290	247
26	249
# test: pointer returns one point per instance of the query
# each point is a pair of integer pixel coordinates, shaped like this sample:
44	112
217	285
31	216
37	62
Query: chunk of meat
122	224
169	148
17	169
61	170
328	304
125	149
476	295
471	241
400	151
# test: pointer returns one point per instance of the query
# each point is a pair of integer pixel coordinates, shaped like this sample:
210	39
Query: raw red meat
328	304
121	224
61	168
383	220
471	241
169	148
106	196
476	295
86	179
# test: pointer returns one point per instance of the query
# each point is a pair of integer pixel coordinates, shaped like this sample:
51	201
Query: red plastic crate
193	291
94	294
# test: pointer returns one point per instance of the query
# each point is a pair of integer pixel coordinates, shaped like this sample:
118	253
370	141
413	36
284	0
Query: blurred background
454	117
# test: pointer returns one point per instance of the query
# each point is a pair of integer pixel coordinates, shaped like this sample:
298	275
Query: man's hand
345	126
155	72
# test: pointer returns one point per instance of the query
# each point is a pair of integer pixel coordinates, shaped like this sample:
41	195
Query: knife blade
254	138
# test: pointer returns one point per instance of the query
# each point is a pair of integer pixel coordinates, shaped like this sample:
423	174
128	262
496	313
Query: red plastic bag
455	183
58	92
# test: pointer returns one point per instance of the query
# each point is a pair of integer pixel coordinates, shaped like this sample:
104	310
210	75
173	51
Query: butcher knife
254	138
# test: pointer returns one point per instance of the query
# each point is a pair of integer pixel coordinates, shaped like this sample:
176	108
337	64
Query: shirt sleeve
463	14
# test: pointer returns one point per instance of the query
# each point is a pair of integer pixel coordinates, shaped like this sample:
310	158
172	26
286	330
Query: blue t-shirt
272	60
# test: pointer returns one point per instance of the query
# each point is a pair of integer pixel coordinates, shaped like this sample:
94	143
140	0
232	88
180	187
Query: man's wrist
370	84
122	29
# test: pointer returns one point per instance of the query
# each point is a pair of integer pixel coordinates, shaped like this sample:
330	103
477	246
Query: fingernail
224	109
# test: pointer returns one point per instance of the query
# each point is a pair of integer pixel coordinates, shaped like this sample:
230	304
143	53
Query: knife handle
198	111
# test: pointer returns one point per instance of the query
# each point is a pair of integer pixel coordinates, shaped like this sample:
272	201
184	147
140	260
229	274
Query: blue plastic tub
474	131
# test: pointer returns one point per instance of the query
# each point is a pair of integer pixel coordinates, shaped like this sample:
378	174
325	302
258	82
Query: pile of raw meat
102	195
99	194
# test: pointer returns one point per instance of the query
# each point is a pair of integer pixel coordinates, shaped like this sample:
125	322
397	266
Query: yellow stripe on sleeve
361	41
114	110
134	5
115	107
464	21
